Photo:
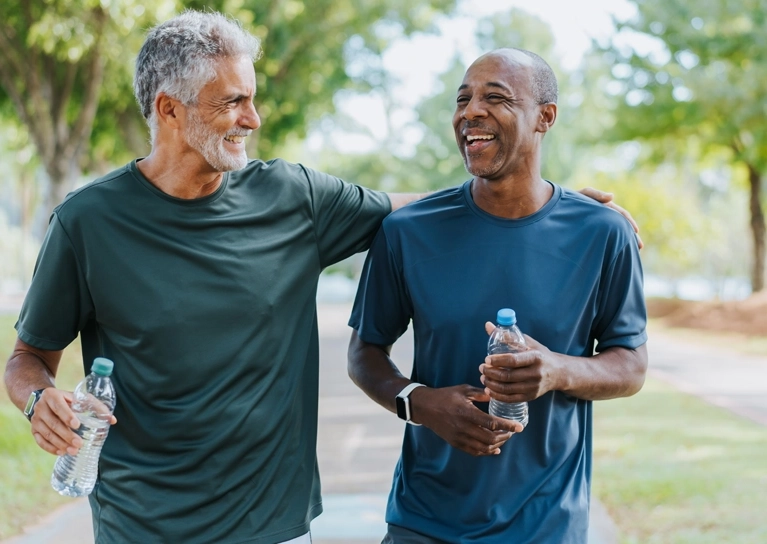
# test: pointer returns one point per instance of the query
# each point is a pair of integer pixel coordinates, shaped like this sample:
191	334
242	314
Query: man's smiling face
496	114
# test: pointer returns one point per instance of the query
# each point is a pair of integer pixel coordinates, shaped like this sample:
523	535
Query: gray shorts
400	535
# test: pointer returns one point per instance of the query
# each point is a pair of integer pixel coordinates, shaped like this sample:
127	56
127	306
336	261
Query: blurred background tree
54	55
668	115
699	91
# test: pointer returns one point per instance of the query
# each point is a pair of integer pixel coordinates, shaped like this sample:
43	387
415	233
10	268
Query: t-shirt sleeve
622	315
382	308
58	303
346	216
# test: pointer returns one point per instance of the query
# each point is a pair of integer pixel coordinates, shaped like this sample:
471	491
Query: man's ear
548	115
168	110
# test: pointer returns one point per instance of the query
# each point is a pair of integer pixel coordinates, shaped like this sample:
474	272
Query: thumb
489	328
596	194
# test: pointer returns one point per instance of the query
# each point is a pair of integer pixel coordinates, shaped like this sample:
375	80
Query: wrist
403	402
562	378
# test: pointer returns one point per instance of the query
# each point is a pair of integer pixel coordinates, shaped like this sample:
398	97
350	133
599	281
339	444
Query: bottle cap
102	366
506	316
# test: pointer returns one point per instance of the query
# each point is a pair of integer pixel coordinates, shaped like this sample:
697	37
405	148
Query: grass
672	469
25	469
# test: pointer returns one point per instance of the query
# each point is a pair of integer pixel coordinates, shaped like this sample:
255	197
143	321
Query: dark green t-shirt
207	308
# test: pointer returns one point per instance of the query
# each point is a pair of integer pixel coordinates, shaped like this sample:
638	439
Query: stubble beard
210	145
487	171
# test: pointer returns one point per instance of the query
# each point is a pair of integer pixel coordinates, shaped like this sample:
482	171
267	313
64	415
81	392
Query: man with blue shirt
506	238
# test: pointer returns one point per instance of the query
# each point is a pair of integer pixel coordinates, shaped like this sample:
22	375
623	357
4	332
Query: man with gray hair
507	238
195	270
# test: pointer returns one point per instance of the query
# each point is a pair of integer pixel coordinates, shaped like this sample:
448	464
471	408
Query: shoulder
94	195
286	174
433	207
279	168
596	218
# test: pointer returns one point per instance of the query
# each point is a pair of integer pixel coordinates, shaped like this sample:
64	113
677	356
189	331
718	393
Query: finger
475	394
46	445
489	328
59	403
639	241
596	194
478	448
509	376
522	394
511	360
625	214
55	431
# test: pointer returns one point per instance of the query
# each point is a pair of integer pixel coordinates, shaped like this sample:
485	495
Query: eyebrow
489	84
233	97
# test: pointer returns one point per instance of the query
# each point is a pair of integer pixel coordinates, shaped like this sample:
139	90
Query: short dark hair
544	82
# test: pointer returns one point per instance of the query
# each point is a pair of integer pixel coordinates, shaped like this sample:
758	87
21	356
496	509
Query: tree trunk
62	174
757	228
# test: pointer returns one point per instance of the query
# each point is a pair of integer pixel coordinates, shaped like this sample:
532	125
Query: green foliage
314	49
707	78
694	84
436	162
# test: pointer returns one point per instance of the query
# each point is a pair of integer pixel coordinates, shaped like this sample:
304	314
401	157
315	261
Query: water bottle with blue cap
75	475
507	338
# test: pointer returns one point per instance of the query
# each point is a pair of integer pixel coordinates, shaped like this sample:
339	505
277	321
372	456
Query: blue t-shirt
572	273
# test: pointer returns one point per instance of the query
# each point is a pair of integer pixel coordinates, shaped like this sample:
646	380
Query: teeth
483	137
235	139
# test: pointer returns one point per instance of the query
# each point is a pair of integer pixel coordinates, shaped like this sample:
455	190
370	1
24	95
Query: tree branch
93	76
61	100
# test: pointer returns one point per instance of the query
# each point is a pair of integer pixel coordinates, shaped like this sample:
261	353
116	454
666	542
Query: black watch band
34	396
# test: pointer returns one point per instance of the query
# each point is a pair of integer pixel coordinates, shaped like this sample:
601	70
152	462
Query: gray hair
179	57
544	82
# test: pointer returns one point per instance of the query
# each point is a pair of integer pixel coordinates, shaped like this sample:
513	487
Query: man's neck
513	197
180	177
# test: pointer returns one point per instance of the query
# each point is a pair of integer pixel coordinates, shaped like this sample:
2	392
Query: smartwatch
34	396
403	403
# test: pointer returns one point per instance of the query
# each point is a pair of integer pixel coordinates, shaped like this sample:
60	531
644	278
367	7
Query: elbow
638	371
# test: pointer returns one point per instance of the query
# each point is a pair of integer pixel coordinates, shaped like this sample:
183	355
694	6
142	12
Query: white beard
210	144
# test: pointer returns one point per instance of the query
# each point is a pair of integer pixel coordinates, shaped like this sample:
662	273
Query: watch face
29	409
402	411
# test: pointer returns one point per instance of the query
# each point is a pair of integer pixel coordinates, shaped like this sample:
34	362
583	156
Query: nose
473	109
250	118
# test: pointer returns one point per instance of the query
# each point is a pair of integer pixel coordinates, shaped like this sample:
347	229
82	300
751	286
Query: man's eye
462	99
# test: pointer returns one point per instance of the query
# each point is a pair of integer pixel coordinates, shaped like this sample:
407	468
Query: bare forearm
27	370
401	199
371	368
614	373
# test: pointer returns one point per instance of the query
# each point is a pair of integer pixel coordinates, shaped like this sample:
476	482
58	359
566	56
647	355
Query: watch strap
403	403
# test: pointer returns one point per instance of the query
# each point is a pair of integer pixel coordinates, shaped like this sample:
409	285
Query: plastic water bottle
75	475
507	338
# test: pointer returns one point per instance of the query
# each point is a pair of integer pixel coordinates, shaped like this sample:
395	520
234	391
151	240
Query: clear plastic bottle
75	475
507	338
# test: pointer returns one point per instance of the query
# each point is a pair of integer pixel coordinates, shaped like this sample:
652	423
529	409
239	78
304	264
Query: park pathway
359	441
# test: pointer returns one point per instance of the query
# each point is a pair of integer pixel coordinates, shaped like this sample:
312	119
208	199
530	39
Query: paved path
359	442
720	376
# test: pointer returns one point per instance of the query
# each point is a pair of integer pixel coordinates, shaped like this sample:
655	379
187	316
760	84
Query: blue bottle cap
102	366
506	316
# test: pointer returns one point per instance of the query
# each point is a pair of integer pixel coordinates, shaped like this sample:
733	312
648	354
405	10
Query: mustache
476	124
238	132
